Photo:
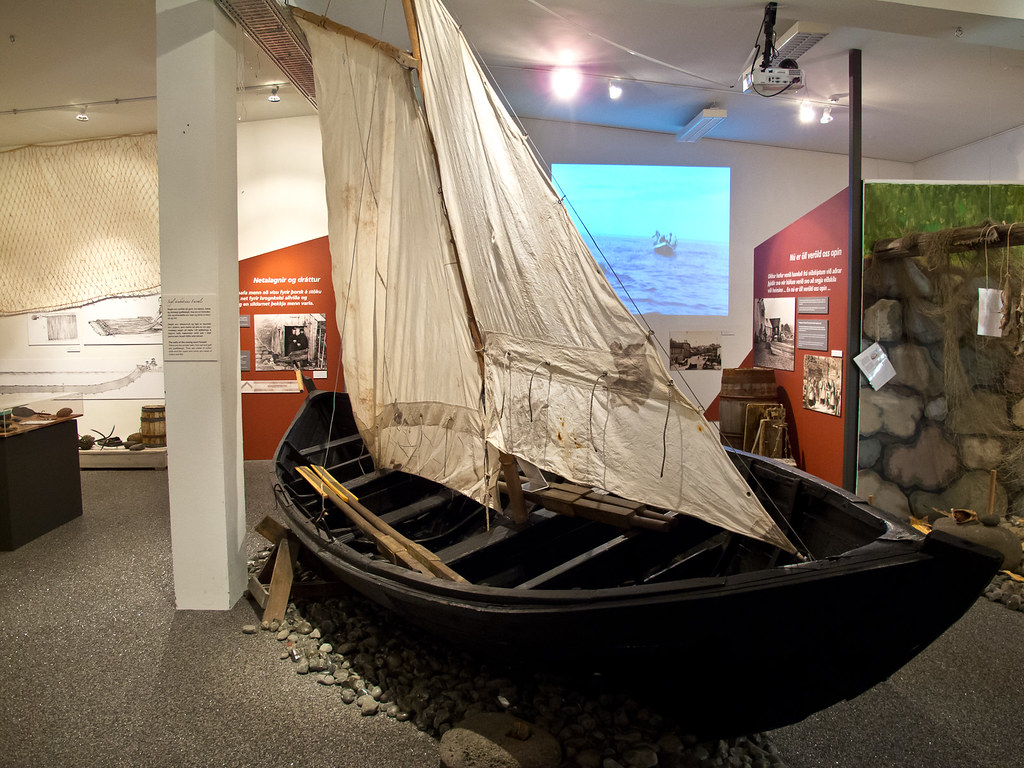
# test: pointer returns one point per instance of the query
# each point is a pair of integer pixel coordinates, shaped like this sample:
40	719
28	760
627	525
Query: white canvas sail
571	382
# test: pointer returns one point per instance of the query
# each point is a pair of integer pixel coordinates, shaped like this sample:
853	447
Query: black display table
40	483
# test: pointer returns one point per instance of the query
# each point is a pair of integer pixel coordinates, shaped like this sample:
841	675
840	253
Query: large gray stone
923	322
494	740
1017	413
984	366
997	537
930	463
971	492
982	413
868	452
885	495
915	369
1013	378
883	320
937	409
981	452
887	411
896	278
927	505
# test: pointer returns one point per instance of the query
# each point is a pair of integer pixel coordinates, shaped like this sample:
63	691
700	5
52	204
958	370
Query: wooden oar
386	544
421	553
397	547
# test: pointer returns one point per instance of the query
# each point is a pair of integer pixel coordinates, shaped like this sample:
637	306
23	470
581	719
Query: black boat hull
731	653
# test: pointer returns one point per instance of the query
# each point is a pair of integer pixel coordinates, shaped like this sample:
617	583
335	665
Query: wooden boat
738	635
482	344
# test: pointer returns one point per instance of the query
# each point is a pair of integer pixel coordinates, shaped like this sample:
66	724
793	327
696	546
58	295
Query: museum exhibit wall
801	288
771	188
281	203
954	410
996	158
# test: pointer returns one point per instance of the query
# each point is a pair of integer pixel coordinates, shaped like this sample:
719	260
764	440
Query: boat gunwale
878	553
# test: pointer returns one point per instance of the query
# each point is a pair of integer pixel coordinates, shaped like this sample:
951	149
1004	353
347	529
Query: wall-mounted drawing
135	320
106	379
53	329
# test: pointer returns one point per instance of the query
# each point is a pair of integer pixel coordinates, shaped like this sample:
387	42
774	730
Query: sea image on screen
660	233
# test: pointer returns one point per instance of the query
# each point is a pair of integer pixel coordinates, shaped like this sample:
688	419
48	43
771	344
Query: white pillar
199	273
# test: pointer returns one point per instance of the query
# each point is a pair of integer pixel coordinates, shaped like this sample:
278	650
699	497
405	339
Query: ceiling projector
772	80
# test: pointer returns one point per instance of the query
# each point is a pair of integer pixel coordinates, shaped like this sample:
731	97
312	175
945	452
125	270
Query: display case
40	482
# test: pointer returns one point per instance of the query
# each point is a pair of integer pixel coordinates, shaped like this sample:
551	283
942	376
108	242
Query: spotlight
273	95
806	112
81	115
826	116
614	89
565	82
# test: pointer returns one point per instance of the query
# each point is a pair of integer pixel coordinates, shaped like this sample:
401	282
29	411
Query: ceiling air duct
274	31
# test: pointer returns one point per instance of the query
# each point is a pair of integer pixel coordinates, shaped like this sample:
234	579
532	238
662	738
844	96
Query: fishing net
79	223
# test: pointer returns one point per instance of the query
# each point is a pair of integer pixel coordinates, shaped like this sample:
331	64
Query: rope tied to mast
664	429
590	418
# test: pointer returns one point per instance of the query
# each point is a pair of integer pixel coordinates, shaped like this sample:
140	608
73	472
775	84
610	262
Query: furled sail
571	382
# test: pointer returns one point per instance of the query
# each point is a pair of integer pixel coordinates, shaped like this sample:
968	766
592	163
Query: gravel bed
376	662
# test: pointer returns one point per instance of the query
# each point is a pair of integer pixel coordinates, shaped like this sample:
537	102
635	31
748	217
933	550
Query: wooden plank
258	591
514	486
584	559
271	530
281	581
603	512
576	501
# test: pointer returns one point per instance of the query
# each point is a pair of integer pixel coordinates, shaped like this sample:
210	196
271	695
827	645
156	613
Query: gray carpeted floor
99	669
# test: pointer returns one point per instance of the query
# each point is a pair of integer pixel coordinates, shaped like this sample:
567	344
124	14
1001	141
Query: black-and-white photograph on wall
774	333
695	351
287	342
823	384
53	328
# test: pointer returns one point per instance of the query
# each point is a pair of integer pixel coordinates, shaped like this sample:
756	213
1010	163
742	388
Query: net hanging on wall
78	223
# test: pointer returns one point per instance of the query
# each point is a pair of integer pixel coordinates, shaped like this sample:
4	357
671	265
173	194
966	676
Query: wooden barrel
153	430
740	387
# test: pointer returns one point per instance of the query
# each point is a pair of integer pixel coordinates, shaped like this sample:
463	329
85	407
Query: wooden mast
517	506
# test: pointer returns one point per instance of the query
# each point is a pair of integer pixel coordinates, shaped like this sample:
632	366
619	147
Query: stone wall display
955	410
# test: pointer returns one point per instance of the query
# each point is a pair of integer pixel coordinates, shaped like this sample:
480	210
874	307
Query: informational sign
801	283
812	334
270	387
286	325
812	305
190	323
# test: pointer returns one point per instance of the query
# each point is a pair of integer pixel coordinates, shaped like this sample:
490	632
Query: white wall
280	185
995	159
771	188
281	202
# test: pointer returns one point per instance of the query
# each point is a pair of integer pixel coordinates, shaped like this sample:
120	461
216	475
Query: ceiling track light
565	82
614	89
273	95
826	115
806	112
81	115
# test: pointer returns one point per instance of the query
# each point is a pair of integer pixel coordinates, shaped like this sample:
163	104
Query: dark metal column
851	390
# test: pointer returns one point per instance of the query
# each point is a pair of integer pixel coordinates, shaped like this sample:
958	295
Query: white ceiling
933	78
